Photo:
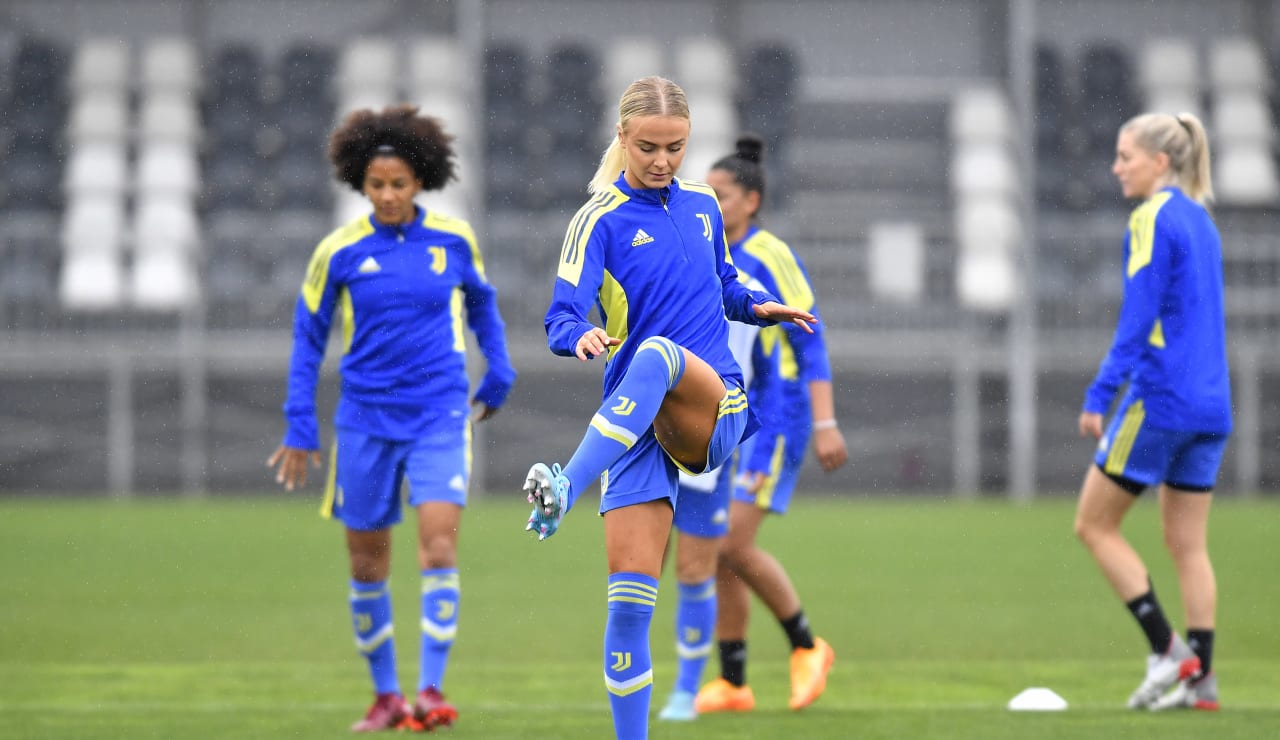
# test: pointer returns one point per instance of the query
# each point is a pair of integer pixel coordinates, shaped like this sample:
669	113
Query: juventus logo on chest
705	218
438	259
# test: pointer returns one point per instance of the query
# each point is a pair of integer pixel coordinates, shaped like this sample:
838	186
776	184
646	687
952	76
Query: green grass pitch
227	619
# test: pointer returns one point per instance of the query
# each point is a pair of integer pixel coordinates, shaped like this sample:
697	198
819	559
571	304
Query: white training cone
1037	700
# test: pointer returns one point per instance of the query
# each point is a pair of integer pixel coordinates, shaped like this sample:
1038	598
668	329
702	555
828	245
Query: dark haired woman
791	392
403	279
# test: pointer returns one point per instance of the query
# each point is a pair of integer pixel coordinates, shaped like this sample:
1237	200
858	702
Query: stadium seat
91	281
437	65
39	68
985	282
99	115
1173	101
1241	117
96	167
1246	176
93	222
169	117
167	168
984	169
896	261
704	65
1107	94
1236	63
1169	63
1052	100
366	64
306	76
980	115
165	223
629	59
163	280
987	223
101	64
32	180
170	64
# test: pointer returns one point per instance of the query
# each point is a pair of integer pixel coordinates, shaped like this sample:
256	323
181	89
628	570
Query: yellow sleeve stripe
318	270
698	187
1142	232
1122	445
781	263
764	499
461	228
579	232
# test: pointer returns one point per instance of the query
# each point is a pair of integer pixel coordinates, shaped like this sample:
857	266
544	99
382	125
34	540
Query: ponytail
613	161
1195	174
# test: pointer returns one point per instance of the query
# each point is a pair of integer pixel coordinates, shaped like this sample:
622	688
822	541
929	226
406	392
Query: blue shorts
702	508
784	468
366	472
1137	455
647	473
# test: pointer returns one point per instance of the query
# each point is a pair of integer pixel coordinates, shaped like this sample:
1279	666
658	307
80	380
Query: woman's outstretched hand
774	311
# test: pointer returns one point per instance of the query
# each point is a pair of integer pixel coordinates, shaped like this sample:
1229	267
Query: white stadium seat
93	222
626	60
163	280
704	65
96	168
436	65
101	64
1169	63
1173	101
984	169
987	224
1242	117
896	261
1245	176
169	116
1238	63
91	280
166	167
165	222
170	63
366	62
99	115
980	116
985	282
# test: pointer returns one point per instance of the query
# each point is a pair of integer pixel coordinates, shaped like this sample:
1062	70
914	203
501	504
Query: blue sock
655	369
371	618
628	670
440	593
695	625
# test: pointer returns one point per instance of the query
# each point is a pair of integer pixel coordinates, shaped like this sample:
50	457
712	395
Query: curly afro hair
420	141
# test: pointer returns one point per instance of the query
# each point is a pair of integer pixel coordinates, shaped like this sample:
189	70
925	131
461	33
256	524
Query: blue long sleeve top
654	263
1170	340
402	292
786	358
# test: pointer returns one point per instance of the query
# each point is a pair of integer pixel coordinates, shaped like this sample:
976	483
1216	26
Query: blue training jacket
785	357
654	262
402	292
1170	341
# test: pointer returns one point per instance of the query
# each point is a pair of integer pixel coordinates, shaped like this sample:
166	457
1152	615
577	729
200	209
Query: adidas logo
641	238
457	483
370	265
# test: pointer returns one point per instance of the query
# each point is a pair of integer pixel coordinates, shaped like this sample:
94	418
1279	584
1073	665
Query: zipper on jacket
684	248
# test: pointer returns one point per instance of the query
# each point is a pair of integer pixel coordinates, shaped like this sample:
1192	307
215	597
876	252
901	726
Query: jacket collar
648	195
413	228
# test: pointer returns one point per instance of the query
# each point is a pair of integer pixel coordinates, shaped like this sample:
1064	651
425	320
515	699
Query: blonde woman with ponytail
648	249
1171	426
